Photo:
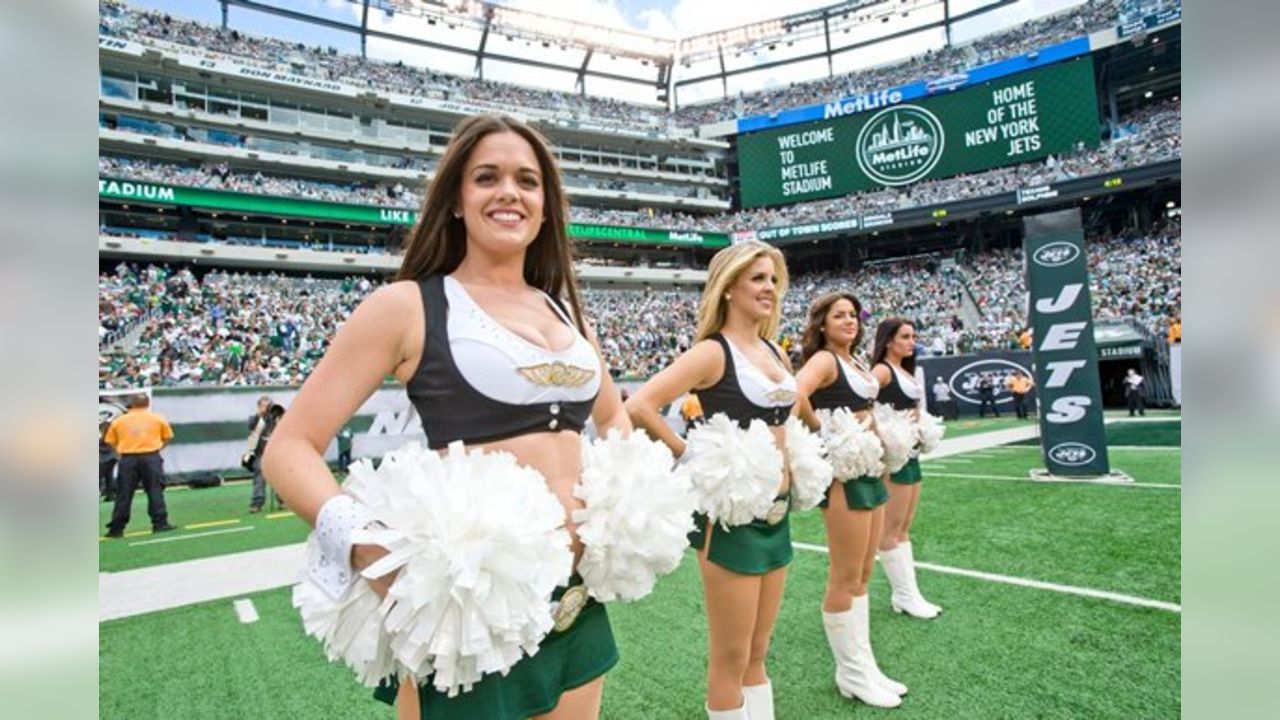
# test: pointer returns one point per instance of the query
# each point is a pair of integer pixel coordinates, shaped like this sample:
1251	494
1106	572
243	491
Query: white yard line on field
245	610
1015	478
1035	584
192	536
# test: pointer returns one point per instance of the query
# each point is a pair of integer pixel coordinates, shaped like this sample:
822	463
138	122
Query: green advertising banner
236	202
1065	355
250	203
617	233
1012	120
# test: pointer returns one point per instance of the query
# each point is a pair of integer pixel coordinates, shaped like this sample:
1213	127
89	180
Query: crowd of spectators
326	63
220	176
224	329
1133	278
392	194
260	329
1149	135
923	289
1026	37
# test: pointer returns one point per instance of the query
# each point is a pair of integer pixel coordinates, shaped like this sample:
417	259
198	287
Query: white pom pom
637	516
480	544
897	434
811	473
929	432
351	629
853	450
736	473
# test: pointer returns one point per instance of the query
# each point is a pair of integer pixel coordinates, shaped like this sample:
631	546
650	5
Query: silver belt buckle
777	511
569	607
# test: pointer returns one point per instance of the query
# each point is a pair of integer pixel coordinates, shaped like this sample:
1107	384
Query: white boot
902	578
862	634
758	700
737	714
911	558
853	677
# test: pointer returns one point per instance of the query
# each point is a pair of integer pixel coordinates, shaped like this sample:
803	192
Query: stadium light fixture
1147	94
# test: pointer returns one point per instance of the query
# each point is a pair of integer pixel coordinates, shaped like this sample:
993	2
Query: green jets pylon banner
1066	360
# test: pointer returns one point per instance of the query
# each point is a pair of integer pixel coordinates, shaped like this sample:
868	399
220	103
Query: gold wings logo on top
781	396
557	374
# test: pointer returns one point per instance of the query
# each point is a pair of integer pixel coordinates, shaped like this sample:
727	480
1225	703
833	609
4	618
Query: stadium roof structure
490	31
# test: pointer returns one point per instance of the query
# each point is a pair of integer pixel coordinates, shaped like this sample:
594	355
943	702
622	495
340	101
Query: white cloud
592	12
687	17
695	17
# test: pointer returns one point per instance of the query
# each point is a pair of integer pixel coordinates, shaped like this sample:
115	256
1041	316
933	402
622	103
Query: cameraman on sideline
261	424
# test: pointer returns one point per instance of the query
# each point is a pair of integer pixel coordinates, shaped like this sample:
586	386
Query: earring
457	215
727	296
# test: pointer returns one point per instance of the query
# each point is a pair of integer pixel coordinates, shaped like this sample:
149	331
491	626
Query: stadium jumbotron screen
1013	120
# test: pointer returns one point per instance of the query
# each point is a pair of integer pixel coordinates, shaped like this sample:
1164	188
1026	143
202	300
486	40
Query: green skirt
865	493
564	661
751	549
909	474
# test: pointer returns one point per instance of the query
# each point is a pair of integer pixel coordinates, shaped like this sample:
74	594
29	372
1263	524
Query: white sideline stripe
245	610
1035	584
163	587
982	441
1015	478
175	538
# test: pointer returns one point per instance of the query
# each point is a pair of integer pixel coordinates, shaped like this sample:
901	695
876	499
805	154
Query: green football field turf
999	650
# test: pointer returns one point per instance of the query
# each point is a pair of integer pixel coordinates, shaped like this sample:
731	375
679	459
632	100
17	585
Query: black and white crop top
744	393
480	382
850	390
902	392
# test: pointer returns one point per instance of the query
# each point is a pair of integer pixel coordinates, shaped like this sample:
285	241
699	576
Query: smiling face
502	194
840	327
755	291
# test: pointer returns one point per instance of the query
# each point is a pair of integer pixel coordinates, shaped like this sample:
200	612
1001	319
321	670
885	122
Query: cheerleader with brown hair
835	380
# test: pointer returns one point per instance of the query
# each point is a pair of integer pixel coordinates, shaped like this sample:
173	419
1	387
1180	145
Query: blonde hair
725	268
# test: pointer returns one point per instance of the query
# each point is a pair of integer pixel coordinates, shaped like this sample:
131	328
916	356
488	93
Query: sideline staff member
138	436
1020	384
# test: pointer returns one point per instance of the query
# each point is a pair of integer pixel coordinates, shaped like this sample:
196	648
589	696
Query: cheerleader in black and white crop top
491	355
834	381
893	364
740	374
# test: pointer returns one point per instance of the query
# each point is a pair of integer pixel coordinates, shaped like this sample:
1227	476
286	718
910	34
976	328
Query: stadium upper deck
189	105
849	26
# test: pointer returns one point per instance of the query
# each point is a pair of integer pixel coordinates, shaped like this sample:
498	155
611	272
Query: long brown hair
813	340
885	332
438	241
726	265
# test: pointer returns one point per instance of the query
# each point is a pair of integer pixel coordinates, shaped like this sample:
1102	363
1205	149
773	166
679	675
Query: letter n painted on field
1072	436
